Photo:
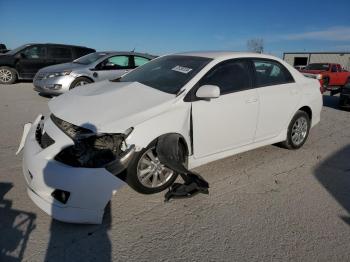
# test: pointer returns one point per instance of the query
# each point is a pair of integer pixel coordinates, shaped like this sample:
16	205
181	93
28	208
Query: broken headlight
73	131
90	150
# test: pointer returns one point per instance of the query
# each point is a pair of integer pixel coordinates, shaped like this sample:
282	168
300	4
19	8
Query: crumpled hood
110	107
61	67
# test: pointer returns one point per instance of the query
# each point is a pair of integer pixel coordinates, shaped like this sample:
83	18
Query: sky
161	27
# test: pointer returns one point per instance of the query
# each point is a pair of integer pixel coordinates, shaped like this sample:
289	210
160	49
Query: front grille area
40	76
43	139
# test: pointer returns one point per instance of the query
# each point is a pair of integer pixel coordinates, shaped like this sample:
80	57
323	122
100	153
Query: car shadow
334	176
45	95
331	101
79	242
15	227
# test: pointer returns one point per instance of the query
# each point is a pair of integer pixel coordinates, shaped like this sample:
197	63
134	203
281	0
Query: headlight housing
90	150
56	74
319	76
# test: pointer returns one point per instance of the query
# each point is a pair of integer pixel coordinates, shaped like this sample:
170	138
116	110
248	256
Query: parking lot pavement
266	204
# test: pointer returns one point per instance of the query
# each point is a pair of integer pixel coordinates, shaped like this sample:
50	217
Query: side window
334	68
229	76
116	62
139	61
271	73
59	52
34	52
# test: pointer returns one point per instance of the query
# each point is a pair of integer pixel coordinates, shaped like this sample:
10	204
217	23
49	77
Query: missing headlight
92	152
73	131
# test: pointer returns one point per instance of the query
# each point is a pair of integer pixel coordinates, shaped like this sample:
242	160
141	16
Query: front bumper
54	85
90	188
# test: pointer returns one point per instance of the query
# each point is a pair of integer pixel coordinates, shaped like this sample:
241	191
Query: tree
256	45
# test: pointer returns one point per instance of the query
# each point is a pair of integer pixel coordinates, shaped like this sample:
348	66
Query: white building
305	58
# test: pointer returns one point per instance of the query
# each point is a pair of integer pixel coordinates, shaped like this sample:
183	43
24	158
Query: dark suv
25	61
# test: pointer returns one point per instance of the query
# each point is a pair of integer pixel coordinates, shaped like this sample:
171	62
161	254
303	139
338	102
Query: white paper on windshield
182	69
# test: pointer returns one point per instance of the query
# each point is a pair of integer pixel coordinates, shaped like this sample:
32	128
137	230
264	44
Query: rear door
278	95
113	67
58	55
33	58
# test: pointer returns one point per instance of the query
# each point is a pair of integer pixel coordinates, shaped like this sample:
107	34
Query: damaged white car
215	104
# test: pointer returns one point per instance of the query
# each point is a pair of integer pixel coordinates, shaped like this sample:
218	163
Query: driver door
113	67
230	120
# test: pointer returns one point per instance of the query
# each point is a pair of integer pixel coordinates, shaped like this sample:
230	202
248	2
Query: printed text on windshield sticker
182	69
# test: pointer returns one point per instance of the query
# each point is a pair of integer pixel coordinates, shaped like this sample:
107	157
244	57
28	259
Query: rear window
79	52
60	52
271	73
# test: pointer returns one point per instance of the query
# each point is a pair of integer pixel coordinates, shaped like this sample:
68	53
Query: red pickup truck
331	76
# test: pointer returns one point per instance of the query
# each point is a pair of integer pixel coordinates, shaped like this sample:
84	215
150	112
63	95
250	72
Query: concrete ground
268	204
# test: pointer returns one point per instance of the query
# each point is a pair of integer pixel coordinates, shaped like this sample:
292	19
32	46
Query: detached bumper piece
171	153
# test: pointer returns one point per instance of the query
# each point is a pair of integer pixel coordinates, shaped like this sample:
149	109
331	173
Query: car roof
125	53
29	44
226	54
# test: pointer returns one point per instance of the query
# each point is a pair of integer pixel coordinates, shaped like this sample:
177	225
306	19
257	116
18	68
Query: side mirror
208	92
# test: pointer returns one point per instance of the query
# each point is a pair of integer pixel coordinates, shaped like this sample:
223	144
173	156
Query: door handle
251	100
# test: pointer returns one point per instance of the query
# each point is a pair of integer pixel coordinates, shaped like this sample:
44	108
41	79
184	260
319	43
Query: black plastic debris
171	153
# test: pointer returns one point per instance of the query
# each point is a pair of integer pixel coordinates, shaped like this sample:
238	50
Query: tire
80	81
297	137
325	83
140	162
8	75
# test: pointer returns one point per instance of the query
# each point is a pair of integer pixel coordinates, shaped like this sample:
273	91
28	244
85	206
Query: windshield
318	66
90	58
16	50
168	73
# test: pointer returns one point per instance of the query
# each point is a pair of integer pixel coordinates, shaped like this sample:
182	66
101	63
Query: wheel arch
307	110
85	76
12	67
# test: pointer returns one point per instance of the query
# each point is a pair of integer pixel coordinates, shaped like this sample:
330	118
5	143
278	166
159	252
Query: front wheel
298	131
7	75
80	81
147	175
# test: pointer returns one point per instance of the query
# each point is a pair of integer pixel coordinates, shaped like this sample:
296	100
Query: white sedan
102	135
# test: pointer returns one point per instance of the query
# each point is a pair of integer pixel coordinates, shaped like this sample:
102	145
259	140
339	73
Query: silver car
57	79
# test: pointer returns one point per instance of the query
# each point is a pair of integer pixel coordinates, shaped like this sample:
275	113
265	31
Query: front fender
174	120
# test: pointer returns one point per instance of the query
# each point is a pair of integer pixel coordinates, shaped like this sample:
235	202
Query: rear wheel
80	81
147	175
7	75
298	131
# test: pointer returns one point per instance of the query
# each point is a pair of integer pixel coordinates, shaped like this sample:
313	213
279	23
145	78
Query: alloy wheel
81	83
299	130
151	172
5	75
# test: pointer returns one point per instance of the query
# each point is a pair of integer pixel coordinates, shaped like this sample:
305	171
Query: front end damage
71	172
